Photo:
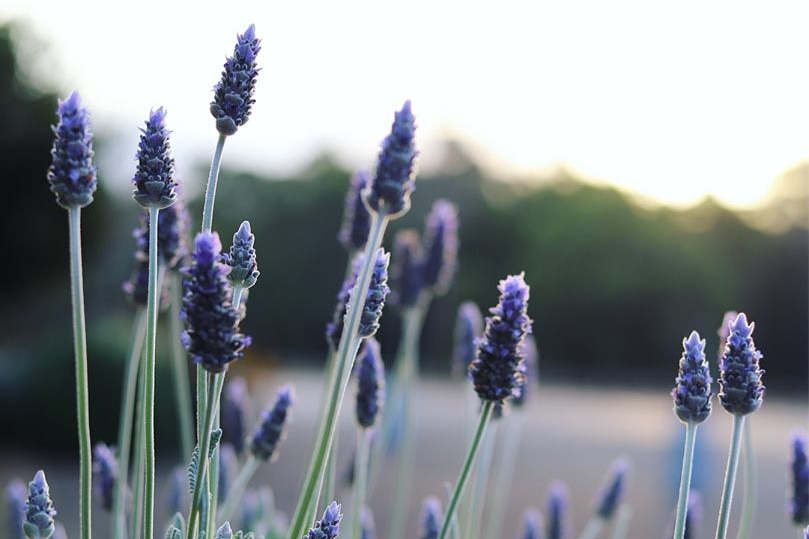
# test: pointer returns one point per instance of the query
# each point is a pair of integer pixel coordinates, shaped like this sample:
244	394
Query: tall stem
138	469
82	387
685	480
361	480
210	189
749	485
179	364
730	477
485	416
237	489
346	354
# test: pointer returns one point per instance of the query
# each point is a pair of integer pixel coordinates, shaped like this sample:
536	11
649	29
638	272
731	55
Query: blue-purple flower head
497	370
233	94
72	175
798	506
39	511
468	329
154	176
356	220
558	505
235	411
15	503
532	524
530	370
692	393
105	474
612	493
431	518
407	279
370	383
224	532
375	298
242	258
334	328
440	247
390	190
212	337
327	527
740	389
267	438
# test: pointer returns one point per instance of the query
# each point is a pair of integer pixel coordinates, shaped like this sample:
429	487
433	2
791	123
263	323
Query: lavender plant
39	511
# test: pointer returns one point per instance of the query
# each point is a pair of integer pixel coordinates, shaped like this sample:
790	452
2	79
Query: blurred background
647	167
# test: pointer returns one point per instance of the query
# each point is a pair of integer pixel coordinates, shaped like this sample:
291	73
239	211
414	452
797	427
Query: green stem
593	528
749	484
138	471
179	364
126	414
485	416
210	188
454	531
82	388
234	495
685	480
505	474
361	480
346	354
730	477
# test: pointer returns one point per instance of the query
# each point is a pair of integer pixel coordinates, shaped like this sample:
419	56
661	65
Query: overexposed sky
672	100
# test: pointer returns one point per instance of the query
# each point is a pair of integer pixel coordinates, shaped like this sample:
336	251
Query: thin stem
82	388
179	364
454	532
234	495
125	422
730	477
749	483
504	475
238	290
593	528
346	354
685	479
360	480
210	188
137	511
485	416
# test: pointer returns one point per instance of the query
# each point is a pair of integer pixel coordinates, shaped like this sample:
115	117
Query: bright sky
672	100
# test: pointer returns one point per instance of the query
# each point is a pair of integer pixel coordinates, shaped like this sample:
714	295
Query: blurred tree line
615	285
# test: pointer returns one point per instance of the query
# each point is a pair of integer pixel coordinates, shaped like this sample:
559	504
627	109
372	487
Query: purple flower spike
692	394
740	389
370	383
613	492
271	432
497	371
242	258
375	299
334	329
798	506
468	329
39	511
532	524
356	220
327	527
105	474
440	247
15	502
72	175
212	336
233	94
431	518
407	279
558	509
235	411
154	176
530	370
391	188
224	532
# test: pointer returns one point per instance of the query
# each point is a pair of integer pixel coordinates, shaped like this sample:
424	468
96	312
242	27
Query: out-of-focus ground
568	433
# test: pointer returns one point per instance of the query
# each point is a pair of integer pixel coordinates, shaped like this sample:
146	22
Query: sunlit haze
670	100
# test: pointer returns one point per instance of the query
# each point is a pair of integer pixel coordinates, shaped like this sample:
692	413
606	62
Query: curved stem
749	484
179	364
361	482
730	477
234	495
485	416
82	386
685	480
210	188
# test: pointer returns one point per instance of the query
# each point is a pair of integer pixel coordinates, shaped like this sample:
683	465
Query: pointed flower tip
39	511
741	327
224	532
233	94
613	492
72	175
271	432
242	258
327	527
694	343
250	33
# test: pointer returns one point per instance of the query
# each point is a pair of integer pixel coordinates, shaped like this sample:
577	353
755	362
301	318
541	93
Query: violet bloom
798	506
334	328
407	279
235	411
105	474
15	502
375	298
242	258
370	383
468	328
327	527
740	389
72	175
233	94
224	532
613	492
440	247
212	336
692	394
271	431
39	511
532	524
431	518
497	371
356	220
558	508
154	176
390	190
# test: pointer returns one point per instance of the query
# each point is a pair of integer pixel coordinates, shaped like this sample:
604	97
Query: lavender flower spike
235	411
370	383
798	506
15	502
741	391
407	279
154	176
532	524
72	175
441	247
558	507
271	432
39	511
334	328
356	220
692	394
224	532
613	492
497	371
242	258
431	518
105	473
468	327
212	336
327	527
391	188
233	94
375	300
